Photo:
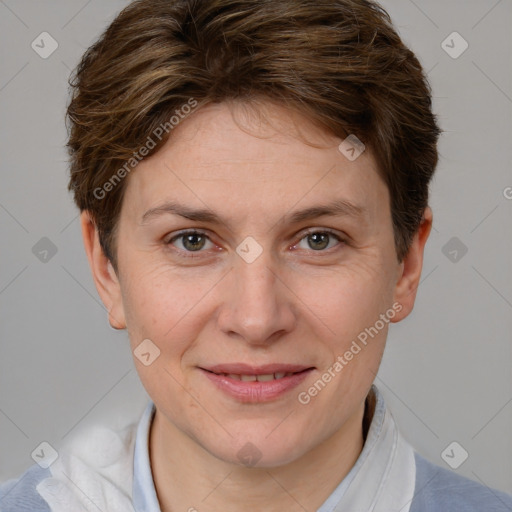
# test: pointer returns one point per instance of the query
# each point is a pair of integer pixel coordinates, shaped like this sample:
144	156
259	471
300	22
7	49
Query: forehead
228	157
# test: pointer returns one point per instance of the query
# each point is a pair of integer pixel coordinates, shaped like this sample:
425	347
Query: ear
105	278
410	268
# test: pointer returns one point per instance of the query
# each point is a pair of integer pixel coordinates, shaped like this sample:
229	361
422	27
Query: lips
264	377
247	383
246	369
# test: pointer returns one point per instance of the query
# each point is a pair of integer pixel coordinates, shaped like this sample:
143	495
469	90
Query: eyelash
190	254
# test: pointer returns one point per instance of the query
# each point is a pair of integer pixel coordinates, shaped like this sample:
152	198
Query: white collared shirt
385	469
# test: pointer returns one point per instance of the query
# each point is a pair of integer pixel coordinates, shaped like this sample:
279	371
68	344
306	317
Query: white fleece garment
95	473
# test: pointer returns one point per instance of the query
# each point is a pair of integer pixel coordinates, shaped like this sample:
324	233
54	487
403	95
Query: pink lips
253	384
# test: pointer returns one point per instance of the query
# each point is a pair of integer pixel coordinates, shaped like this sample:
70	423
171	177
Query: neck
189	478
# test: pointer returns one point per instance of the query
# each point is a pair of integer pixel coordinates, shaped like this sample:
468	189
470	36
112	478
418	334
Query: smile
248	384
258	378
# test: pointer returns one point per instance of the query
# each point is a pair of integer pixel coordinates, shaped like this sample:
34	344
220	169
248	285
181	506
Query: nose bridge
256	281
257	306
253	265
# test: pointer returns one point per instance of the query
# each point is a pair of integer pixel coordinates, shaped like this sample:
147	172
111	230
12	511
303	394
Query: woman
253	182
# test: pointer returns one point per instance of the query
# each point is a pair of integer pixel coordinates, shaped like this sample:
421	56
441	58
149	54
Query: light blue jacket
388	476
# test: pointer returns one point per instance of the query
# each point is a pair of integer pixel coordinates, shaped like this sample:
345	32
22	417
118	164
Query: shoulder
100	460
439	489
20	495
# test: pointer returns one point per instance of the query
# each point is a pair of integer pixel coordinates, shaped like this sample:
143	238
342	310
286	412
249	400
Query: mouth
265	377
247	383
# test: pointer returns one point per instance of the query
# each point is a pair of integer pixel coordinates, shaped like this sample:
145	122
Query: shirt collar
144	493
384	475
381	480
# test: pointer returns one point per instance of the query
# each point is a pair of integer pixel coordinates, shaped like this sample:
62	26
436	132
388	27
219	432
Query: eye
319	240
190	241
194	241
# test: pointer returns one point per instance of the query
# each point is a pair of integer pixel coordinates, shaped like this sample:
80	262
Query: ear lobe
105	278
411	267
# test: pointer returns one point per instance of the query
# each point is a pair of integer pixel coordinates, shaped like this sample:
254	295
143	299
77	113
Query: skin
302	301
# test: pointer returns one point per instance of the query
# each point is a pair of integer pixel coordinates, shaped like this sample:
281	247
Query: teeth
265	378
260	378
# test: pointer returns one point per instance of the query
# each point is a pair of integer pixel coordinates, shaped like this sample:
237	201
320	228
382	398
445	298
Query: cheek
163	303
348	299
164	308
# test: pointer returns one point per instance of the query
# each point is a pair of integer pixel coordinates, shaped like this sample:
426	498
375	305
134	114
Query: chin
258	451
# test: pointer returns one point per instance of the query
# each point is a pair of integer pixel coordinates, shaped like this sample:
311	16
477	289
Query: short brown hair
339	62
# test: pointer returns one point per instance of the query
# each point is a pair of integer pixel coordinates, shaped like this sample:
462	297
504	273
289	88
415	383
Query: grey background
447	371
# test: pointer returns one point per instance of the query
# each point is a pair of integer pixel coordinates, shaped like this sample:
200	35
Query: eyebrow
336	208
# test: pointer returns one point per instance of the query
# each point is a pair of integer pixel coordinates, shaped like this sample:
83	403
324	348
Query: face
256	263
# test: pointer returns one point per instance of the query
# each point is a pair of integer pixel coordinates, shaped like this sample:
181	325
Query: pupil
321	238
191	242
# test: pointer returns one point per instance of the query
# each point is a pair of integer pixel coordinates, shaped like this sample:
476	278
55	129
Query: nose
257	305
